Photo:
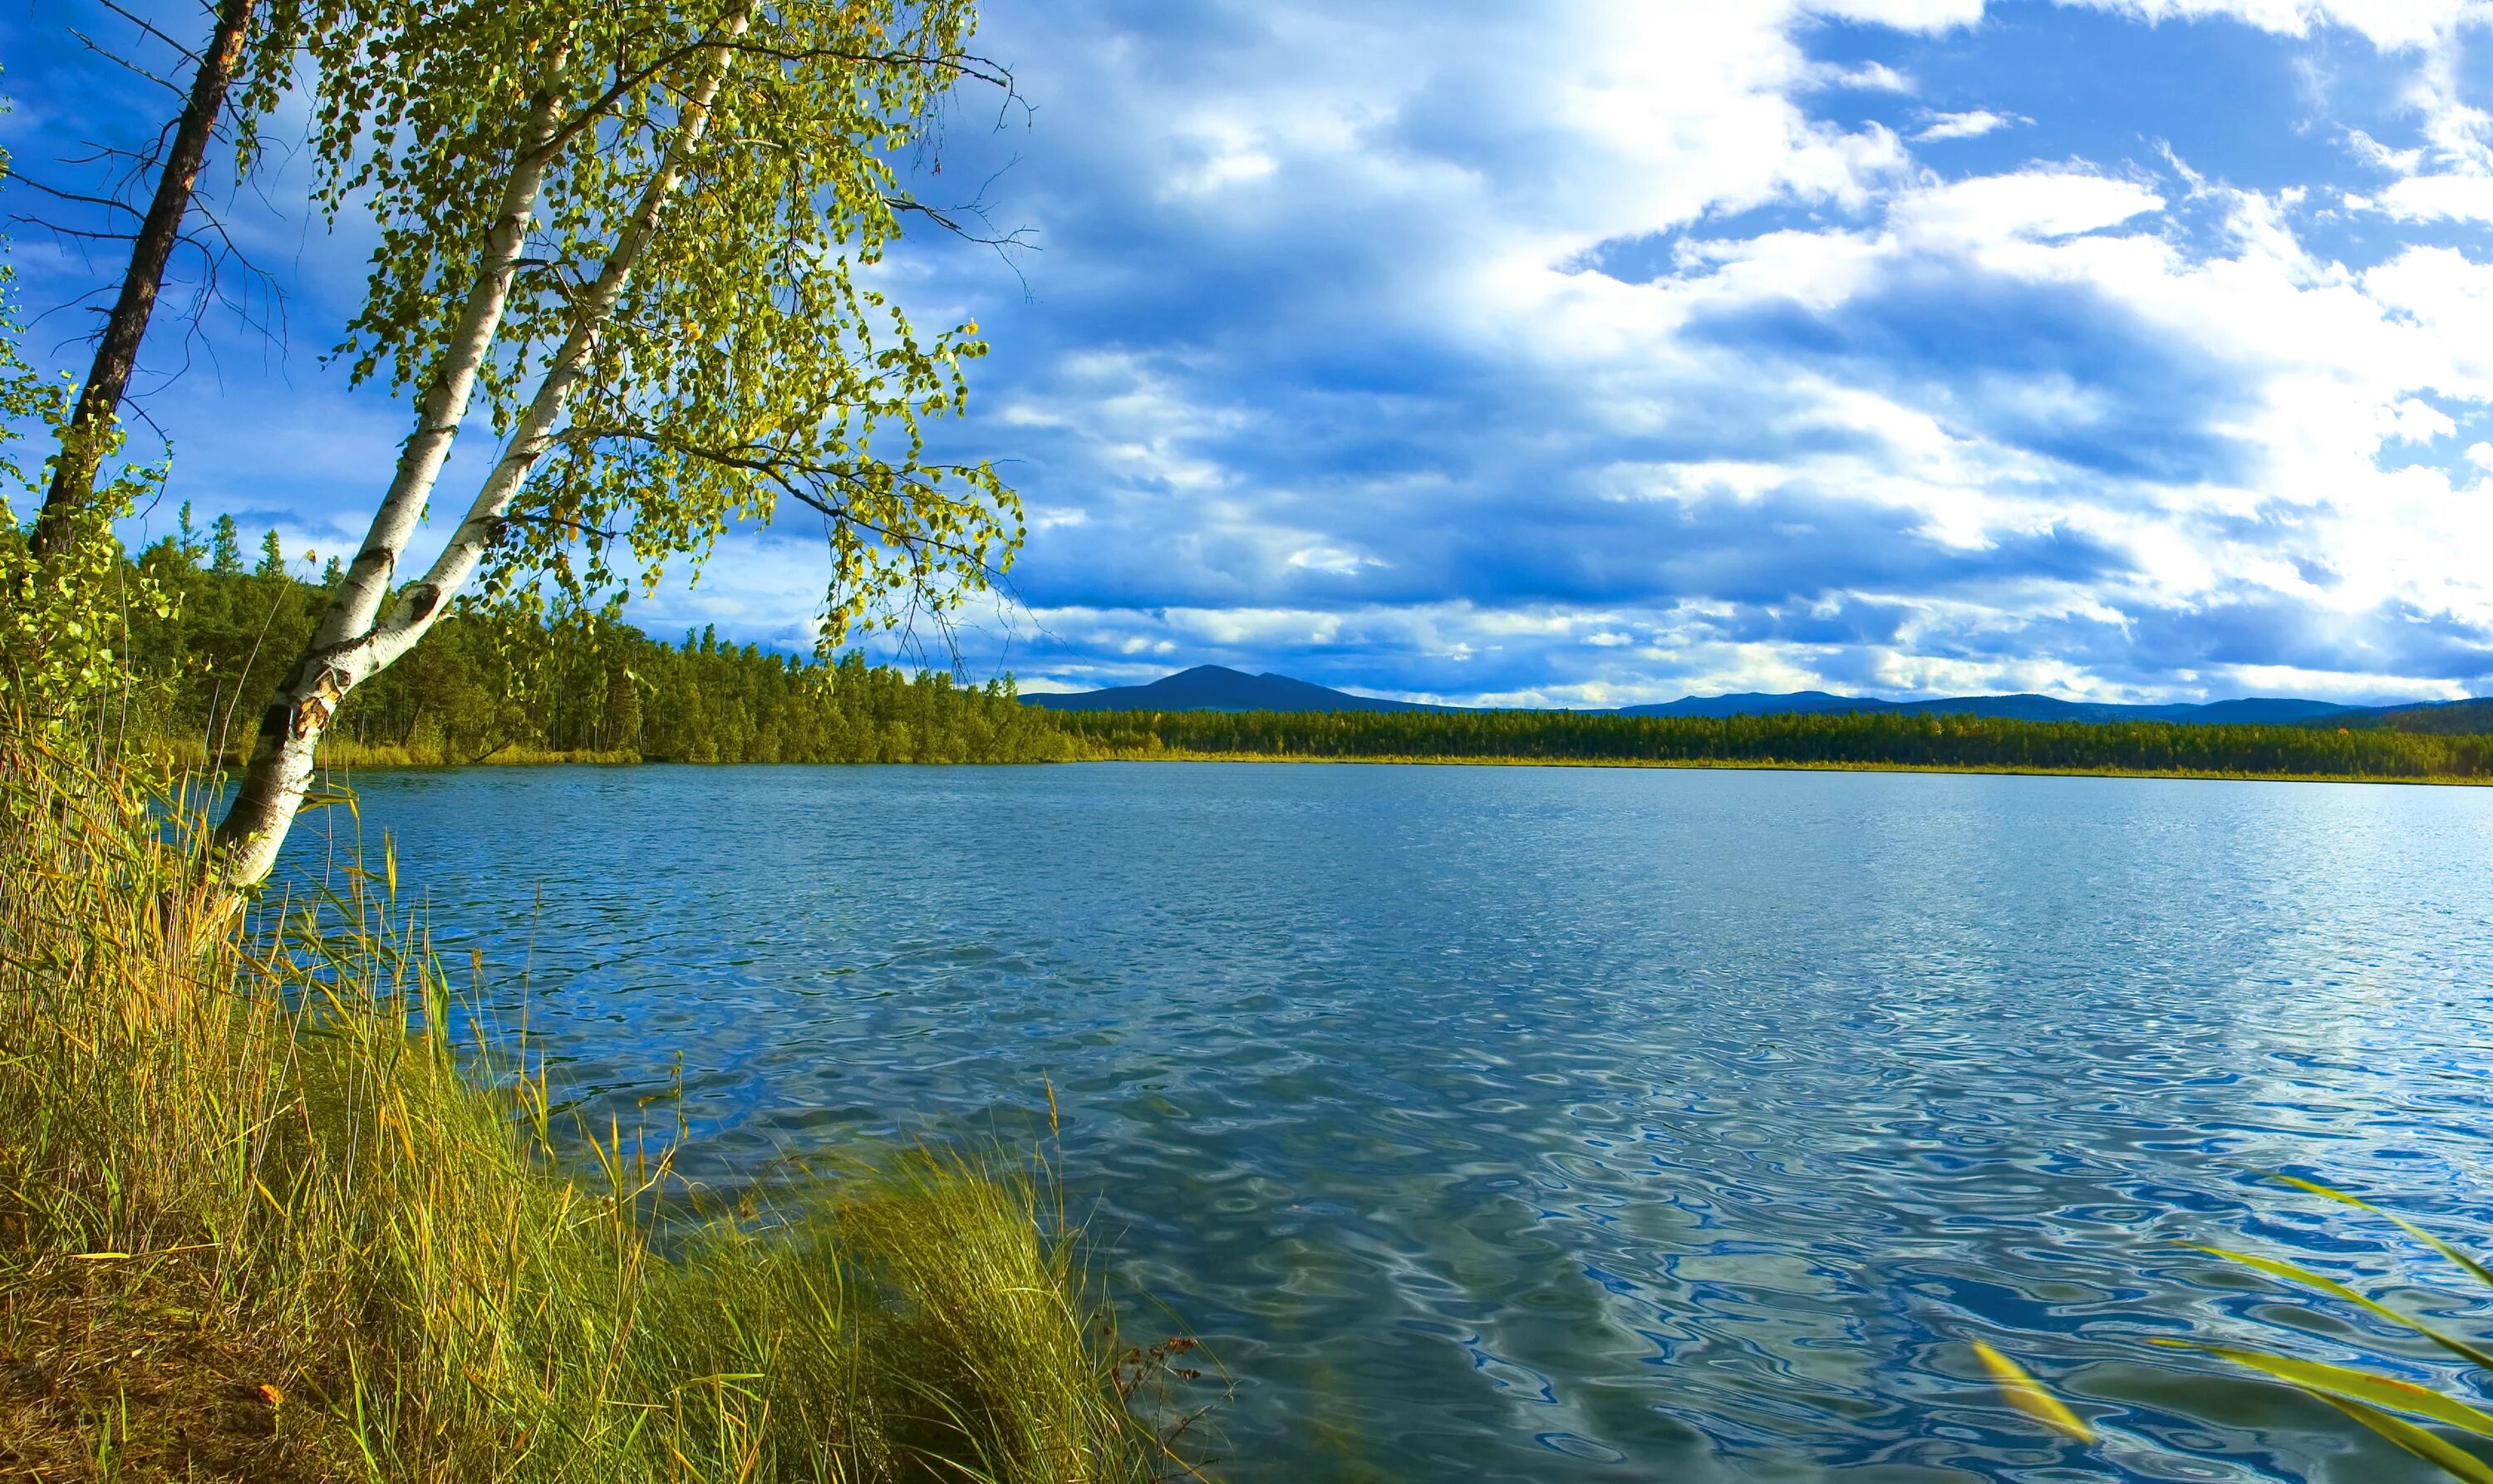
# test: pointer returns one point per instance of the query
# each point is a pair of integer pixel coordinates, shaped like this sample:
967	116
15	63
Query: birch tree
635	238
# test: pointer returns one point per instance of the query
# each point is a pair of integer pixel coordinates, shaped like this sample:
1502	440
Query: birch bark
356	640
446	401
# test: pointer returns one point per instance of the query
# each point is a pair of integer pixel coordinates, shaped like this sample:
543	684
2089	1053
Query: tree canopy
641	233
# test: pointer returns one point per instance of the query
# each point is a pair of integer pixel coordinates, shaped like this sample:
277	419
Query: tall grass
264	1214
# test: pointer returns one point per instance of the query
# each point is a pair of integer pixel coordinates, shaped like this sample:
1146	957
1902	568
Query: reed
2379	1402
2415	1418
269	1210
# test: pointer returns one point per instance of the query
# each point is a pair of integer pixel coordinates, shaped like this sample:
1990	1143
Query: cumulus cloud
1973	124
1623	349
1801	412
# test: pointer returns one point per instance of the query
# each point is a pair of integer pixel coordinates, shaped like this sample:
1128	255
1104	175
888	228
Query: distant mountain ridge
1218	688
2253	711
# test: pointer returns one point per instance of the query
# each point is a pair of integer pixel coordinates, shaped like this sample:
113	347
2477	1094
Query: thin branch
788	476
149	27
108	204
946	218
976	69
118	60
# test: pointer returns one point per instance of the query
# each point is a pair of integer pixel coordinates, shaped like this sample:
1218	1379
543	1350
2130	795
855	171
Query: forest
501	683
1856	740
505	685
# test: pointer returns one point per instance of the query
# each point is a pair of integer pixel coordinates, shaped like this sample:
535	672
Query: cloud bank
2132	350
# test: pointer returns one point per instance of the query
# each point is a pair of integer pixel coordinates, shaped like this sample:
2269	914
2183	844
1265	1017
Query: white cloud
2396	162
2025	204
2301	382
2384	23
1311	374
1965	125
1871	77
1903	14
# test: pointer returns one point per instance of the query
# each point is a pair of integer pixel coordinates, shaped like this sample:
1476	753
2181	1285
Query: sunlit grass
194	755
259	1216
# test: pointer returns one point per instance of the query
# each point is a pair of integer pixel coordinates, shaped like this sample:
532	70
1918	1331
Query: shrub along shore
1960	744
269	1211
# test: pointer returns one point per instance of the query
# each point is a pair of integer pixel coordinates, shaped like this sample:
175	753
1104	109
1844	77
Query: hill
2449	718
1217	688
2254	711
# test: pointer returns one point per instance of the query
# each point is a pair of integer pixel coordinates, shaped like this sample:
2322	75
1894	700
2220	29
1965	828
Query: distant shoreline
403	763
1762	765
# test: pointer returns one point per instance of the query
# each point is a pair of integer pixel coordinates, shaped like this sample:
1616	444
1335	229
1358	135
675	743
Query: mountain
2447	716
1217	688
2253	711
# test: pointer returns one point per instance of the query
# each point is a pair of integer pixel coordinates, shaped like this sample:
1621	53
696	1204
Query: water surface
1573	1124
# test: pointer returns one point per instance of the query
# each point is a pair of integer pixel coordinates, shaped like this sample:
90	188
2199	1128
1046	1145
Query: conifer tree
225	547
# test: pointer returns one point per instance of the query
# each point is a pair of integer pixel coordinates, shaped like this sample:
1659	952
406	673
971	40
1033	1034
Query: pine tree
187	541
225	547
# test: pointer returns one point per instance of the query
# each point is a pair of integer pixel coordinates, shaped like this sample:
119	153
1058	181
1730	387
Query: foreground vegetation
1874	740
261	1217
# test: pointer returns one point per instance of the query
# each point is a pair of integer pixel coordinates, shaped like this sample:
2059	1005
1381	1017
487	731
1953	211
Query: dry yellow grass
260	1220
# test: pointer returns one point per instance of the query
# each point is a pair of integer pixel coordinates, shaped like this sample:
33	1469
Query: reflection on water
1558	1124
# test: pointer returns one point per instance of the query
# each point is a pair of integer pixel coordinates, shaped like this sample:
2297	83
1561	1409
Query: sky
1596	353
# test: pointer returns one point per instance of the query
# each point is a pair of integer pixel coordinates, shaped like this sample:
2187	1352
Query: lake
1564	1123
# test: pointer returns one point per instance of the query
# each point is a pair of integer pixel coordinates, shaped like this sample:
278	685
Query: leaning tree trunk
116	355
356	640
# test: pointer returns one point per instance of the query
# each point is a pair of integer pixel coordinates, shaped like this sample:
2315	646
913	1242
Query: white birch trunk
369	578
365	641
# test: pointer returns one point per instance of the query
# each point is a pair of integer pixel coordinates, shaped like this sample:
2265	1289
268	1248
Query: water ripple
1575	1125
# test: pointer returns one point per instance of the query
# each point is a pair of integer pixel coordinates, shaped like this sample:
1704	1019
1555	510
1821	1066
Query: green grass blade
2331	1286
2360	1386
2449	1458
2475	1269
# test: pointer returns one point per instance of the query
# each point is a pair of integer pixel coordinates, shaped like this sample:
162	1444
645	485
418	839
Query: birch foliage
742	361
637	239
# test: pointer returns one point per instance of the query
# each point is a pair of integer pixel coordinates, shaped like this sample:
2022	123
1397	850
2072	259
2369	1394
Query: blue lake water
1573	1125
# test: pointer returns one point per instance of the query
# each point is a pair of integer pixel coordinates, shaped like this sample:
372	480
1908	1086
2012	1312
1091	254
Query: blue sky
1597	353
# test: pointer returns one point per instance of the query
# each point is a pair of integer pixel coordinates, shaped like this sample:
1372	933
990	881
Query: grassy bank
190	755
258	1219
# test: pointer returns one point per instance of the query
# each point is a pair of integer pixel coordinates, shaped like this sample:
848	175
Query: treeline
1855	740
500	685
2452	717
494	686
